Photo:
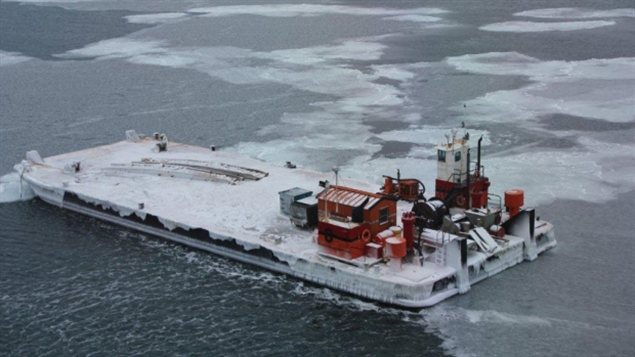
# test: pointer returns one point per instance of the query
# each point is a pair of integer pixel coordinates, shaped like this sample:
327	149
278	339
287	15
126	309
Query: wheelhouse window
441	155
383	215
457	156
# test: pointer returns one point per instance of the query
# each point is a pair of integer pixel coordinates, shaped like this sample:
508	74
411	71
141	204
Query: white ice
293	10
577	174
431	135
576	13
10	58
313	68
159	18
397	72
413	18
596	88
116	48
417	15
530	26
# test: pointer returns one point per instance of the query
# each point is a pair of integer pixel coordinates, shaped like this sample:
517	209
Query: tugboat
389	244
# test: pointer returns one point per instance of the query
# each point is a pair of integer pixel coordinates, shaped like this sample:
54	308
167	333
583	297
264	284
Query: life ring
366	235
460	200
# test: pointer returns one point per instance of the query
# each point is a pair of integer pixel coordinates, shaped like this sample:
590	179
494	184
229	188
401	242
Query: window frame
441	155
384	213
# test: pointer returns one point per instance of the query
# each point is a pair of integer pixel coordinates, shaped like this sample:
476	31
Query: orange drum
514	200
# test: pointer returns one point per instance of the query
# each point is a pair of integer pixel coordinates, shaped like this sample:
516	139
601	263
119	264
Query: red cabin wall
348	242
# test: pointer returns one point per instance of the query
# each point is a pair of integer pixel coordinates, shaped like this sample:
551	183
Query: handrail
500	199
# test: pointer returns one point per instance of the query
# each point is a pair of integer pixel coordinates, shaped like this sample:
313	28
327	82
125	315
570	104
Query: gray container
289	196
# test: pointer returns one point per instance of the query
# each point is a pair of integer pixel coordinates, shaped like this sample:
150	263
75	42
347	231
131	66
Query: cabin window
457	156
383	215
441	155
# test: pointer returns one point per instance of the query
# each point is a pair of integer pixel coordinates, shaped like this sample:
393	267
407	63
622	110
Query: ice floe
430	135
361	50
595	88
576	13
396	72
293	10
530	26
116	48
9	58
560	13
417	15
159	18
576	174
320	69
413	18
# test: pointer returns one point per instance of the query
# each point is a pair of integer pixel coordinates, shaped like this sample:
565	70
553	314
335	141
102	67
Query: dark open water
321	86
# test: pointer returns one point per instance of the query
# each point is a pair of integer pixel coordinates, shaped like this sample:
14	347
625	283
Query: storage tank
396	251
514	200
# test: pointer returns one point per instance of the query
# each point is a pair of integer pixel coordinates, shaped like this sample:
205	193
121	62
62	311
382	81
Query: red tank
514	200
408	222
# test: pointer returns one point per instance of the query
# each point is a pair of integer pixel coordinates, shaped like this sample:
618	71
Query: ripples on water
74	285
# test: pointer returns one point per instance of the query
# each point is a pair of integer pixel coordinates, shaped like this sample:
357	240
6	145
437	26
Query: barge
389	244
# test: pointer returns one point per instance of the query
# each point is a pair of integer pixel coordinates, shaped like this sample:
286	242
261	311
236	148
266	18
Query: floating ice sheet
116	48
417	15
314	69
596	88
530	26
431	135
9	58
293	10
413	18
576	13
159	18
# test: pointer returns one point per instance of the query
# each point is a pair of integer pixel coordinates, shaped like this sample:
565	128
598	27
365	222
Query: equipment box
289	196
304	212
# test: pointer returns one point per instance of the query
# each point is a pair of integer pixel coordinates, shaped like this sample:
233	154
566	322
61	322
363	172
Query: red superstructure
456	184
350	218
353	223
